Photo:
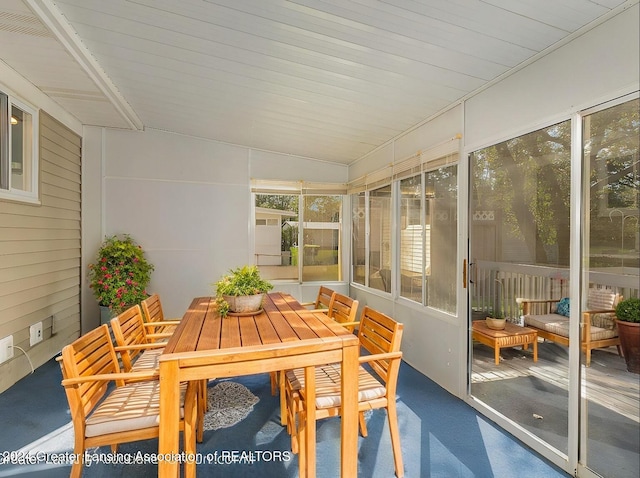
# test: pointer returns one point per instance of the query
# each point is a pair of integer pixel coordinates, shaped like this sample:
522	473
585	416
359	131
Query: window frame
30	161
301	190
421	164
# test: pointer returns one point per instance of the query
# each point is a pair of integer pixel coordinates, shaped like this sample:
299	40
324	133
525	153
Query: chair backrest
343	309
323	301
152	308
378	334
91	354
128	329
602	299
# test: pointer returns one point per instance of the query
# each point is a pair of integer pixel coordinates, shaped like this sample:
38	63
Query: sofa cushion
554	323
563	307
601	299
604	321
598	333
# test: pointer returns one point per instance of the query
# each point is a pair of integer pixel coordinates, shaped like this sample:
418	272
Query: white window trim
33	195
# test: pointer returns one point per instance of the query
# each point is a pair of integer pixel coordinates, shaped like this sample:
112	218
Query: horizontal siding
40	256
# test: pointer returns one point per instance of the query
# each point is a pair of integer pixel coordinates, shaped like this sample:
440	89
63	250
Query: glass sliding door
519	249
610	434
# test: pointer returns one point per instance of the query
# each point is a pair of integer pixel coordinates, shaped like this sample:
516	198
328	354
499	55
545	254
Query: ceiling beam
50	16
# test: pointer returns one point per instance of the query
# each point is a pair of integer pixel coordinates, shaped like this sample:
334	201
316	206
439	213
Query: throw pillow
563	307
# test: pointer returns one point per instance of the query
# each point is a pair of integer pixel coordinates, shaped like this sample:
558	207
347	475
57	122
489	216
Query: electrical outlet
35	334
6	348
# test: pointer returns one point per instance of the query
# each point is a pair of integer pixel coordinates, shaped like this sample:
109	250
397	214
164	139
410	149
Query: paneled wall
40	256
187	201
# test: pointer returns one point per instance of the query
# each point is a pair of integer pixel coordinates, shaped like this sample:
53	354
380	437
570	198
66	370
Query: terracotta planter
495	324
629	333
244	303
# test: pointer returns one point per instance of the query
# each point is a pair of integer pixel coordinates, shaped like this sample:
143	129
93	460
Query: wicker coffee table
511	336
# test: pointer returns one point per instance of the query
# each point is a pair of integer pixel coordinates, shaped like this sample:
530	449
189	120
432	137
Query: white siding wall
40	256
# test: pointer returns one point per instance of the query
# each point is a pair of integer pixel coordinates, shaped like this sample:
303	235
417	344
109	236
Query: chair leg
76	467
302	445
201	409
392	416
284	414
363	424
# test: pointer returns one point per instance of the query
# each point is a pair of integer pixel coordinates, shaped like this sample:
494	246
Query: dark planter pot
105	315
629	333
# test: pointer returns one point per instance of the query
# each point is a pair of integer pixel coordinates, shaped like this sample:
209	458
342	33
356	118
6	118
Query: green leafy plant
628	310
241	281
120	274
499	311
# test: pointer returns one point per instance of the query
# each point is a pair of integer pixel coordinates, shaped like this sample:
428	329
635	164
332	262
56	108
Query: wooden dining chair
322	302
138	348
106	415
323	299
344	310
341	308
380	337
153	314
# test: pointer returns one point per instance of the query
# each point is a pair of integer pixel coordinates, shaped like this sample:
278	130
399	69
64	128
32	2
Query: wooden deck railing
494	283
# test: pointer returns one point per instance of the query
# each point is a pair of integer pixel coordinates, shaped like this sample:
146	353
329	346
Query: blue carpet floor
441	437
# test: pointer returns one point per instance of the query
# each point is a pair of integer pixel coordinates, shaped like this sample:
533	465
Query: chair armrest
307	304
592	312
384	356
128	376
154	345
526	303
159	335
163	323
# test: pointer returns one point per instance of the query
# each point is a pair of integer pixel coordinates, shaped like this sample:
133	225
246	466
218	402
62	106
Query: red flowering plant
120	274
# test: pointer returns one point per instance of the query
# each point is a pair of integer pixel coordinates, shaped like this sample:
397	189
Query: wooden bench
599	327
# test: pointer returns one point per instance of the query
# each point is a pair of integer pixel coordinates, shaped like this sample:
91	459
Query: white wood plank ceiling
326	79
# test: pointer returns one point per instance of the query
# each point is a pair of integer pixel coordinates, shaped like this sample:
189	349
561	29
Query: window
298	235
405	228
428	222
380	238
18	160
613	175
359	238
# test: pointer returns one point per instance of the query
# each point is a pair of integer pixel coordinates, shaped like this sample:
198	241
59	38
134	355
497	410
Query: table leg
169	439
496	353
309	449
349	449
535	349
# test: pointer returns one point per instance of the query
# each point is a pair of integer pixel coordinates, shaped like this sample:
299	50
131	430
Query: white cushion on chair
328	385
148	360
132	407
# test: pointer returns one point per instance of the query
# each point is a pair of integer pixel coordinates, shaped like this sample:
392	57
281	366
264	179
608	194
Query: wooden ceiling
326	79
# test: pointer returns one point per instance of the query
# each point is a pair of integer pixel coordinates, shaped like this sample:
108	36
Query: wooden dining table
281	336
